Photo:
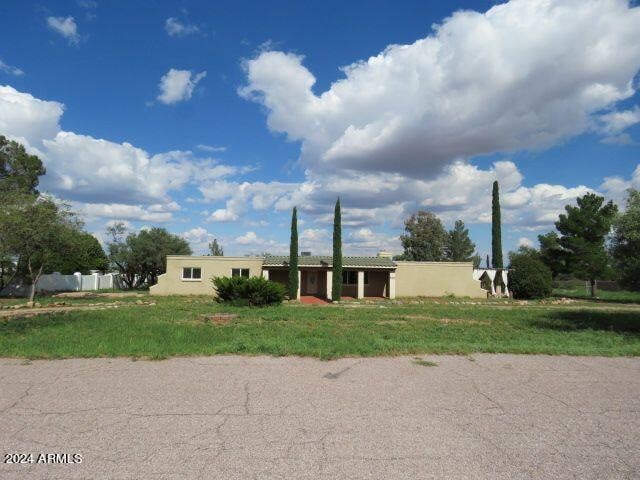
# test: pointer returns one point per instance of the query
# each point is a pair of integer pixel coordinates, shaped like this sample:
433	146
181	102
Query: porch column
360	284
265	274
299	282
392	284
329	284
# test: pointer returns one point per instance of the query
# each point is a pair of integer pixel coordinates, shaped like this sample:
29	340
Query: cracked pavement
490	416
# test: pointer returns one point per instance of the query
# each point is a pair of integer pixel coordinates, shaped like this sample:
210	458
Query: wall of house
436	279
171	282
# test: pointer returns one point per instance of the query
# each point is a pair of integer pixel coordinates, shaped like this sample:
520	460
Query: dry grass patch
447	321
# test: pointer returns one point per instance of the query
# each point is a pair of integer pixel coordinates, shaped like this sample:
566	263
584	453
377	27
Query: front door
312	282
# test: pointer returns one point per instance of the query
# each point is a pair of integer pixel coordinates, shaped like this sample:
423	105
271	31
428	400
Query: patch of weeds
424	363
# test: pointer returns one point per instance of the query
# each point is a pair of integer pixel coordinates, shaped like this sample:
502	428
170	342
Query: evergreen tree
215	249
583	230
496	228
459	247
488	262
336	286
626	243
293	256
425	238
552	254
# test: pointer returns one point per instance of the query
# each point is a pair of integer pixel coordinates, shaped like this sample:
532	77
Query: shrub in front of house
252	291
530	278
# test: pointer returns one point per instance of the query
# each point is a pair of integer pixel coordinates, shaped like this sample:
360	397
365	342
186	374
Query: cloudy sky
215	119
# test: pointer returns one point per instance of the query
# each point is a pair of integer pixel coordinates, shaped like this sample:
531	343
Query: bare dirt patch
447	321
217	318
61	308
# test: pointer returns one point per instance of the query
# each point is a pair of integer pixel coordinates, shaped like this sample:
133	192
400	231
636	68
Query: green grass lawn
172	328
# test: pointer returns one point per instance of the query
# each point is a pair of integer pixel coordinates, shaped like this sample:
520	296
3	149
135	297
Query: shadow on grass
572	320
631	299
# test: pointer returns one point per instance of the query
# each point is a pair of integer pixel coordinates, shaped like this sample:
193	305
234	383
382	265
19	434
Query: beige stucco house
378	276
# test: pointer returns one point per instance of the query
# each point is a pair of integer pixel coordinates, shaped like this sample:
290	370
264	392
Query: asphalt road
493	417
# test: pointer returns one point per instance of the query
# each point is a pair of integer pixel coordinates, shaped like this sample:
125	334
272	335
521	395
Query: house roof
327	261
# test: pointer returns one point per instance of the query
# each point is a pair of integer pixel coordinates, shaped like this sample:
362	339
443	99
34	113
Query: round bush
530	278
254	291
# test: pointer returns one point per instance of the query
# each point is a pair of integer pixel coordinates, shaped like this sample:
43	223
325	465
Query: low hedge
252	291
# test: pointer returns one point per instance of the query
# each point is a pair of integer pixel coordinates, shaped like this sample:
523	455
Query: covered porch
315	277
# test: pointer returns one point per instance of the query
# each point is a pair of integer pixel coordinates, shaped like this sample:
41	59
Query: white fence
56	282
77	282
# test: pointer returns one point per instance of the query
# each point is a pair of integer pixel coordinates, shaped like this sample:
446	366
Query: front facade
361	276
377	277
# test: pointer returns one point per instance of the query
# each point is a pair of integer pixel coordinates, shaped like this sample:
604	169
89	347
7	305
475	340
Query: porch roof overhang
327	262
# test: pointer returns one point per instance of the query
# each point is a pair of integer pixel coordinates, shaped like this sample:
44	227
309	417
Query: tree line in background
592	241
141	257
40	234
426	240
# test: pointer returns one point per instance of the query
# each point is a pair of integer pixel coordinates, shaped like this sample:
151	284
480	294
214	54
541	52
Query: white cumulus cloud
526	74
178	85
526	242
104	177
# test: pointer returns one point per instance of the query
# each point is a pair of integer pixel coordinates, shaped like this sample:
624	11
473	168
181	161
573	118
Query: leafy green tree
496	227
86	254
293	256
584	229
552	254
528	276
36	232
7	269
19	171
215	249
626	243
19	174
141	257
336	284
425	238
459	247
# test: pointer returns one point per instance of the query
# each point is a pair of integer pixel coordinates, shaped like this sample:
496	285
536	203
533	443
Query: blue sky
213	120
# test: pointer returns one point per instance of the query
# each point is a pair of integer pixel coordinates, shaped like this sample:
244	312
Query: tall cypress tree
336	286
496	228
293	256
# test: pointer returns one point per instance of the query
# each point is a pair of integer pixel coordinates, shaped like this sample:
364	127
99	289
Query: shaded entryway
361	276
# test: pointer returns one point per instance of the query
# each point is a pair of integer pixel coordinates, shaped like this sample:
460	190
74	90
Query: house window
191	273
350	277
240	272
